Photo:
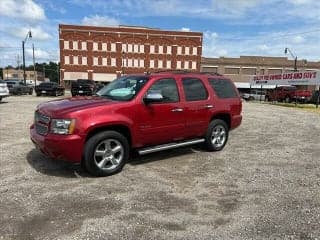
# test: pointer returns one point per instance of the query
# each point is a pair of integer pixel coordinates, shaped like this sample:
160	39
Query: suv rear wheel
106	153
217	135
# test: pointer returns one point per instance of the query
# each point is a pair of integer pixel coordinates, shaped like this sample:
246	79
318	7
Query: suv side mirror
153	97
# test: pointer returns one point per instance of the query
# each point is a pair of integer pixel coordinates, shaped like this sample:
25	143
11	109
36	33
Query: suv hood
63	106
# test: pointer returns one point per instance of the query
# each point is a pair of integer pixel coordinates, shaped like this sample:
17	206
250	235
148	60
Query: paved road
264	185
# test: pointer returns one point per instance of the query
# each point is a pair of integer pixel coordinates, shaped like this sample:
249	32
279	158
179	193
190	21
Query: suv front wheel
217	135
106	153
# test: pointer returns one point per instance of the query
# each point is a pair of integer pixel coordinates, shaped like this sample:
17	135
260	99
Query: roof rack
212	73
186	72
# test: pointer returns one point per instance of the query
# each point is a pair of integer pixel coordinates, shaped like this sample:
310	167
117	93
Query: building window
249	71
179	50
113	47
75	45
261	71
95	61
186	65
141	63
168	49
66	44
210	69
168	64
135	63
95	46
84	60
136	48
195	51
113	62
151	63
161	49
178	64
66	60
151	48
231	70
141	48
194	65
104	61
84	45
75	60
160	64
104	47
124	47
129	47
186	51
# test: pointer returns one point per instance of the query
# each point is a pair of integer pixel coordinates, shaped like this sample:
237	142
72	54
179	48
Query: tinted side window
194	89
223	88
167	88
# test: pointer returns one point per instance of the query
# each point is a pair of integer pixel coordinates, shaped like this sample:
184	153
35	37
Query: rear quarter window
223	88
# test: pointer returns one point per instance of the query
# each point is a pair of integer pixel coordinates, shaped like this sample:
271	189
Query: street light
286	50
23	57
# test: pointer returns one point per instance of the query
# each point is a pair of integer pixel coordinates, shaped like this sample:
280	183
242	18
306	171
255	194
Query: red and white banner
293	78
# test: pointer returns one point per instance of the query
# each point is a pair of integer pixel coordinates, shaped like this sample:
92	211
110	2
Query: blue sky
231	27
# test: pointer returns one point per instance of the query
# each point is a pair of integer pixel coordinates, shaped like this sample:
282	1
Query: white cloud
298	39
185	29
97	20
37	33
22	9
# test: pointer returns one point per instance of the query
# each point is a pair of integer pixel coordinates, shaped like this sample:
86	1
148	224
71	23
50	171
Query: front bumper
62	147
4	94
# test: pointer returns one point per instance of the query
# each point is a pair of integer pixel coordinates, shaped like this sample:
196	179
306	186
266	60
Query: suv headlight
62	126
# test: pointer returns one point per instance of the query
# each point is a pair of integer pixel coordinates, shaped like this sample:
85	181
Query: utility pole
23	56
34	68
18	63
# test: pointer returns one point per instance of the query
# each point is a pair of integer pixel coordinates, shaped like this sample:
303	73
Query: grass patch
307	107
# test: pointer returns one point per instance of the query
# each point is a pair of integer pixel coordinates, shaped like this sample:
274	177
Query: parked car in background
288	94
255	94
83	87
146	113
49	88
4	91
315	97
17	87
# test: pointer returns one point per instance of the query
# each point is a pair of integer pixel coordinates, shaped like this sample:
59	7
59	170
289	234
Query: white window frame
141	63
113	47
168	65
66	45
186	50
104	61
186	64
152	49
124	47
195	51
95	61
66	60
95	46
141	48
151	63
75	60
83	45
169	49
194	65
179	50
84	60
178	64
130	62
160	64
129	48
160	49
75	45
135	48
104	47
113	62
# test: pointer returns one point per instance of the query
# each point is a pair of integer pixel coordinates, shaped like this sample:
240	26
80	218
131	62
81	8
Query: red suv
147	113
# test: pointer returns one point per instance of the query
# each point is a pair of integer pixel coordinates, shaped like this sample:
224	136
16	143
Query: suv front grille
41	123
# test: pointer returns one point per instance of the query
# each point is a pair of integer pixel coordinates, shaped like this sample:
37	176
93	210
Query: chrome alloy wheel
108	154
218	136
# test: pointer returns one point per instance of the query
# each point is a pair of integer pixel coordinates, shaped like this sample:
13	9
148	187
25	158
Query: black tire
55	93
267	99
30	91
251	98
38	94
222	133
91	159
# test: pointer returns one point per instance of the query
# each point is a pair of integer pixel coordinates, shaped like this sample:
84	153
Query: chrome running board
169	146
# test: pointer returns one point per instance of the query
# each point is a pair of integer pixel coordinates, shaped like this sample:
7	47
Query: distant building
10	74
103	53
241	70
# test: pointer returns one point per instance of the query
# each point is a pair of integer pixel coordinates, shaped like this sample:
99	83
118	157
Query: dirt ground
265	184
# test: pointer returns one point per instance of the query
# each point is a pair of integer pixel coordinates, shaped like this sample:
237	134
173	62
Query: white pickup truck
255	94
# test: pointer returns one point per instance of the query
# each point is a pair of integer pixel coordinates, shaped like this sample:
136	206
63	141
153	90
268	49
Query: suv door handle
177	110
208	106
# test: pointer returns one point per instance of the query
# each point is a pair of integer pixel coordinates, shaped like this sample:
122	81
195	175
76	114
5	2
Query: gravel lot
264	185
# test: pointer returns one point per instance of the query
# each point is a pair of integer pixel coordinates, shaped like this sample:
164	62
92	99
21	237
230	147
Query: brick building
241	70
102	53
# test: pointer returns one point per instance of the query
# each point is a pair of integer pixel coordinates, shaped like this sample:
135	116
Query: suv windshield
124	88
